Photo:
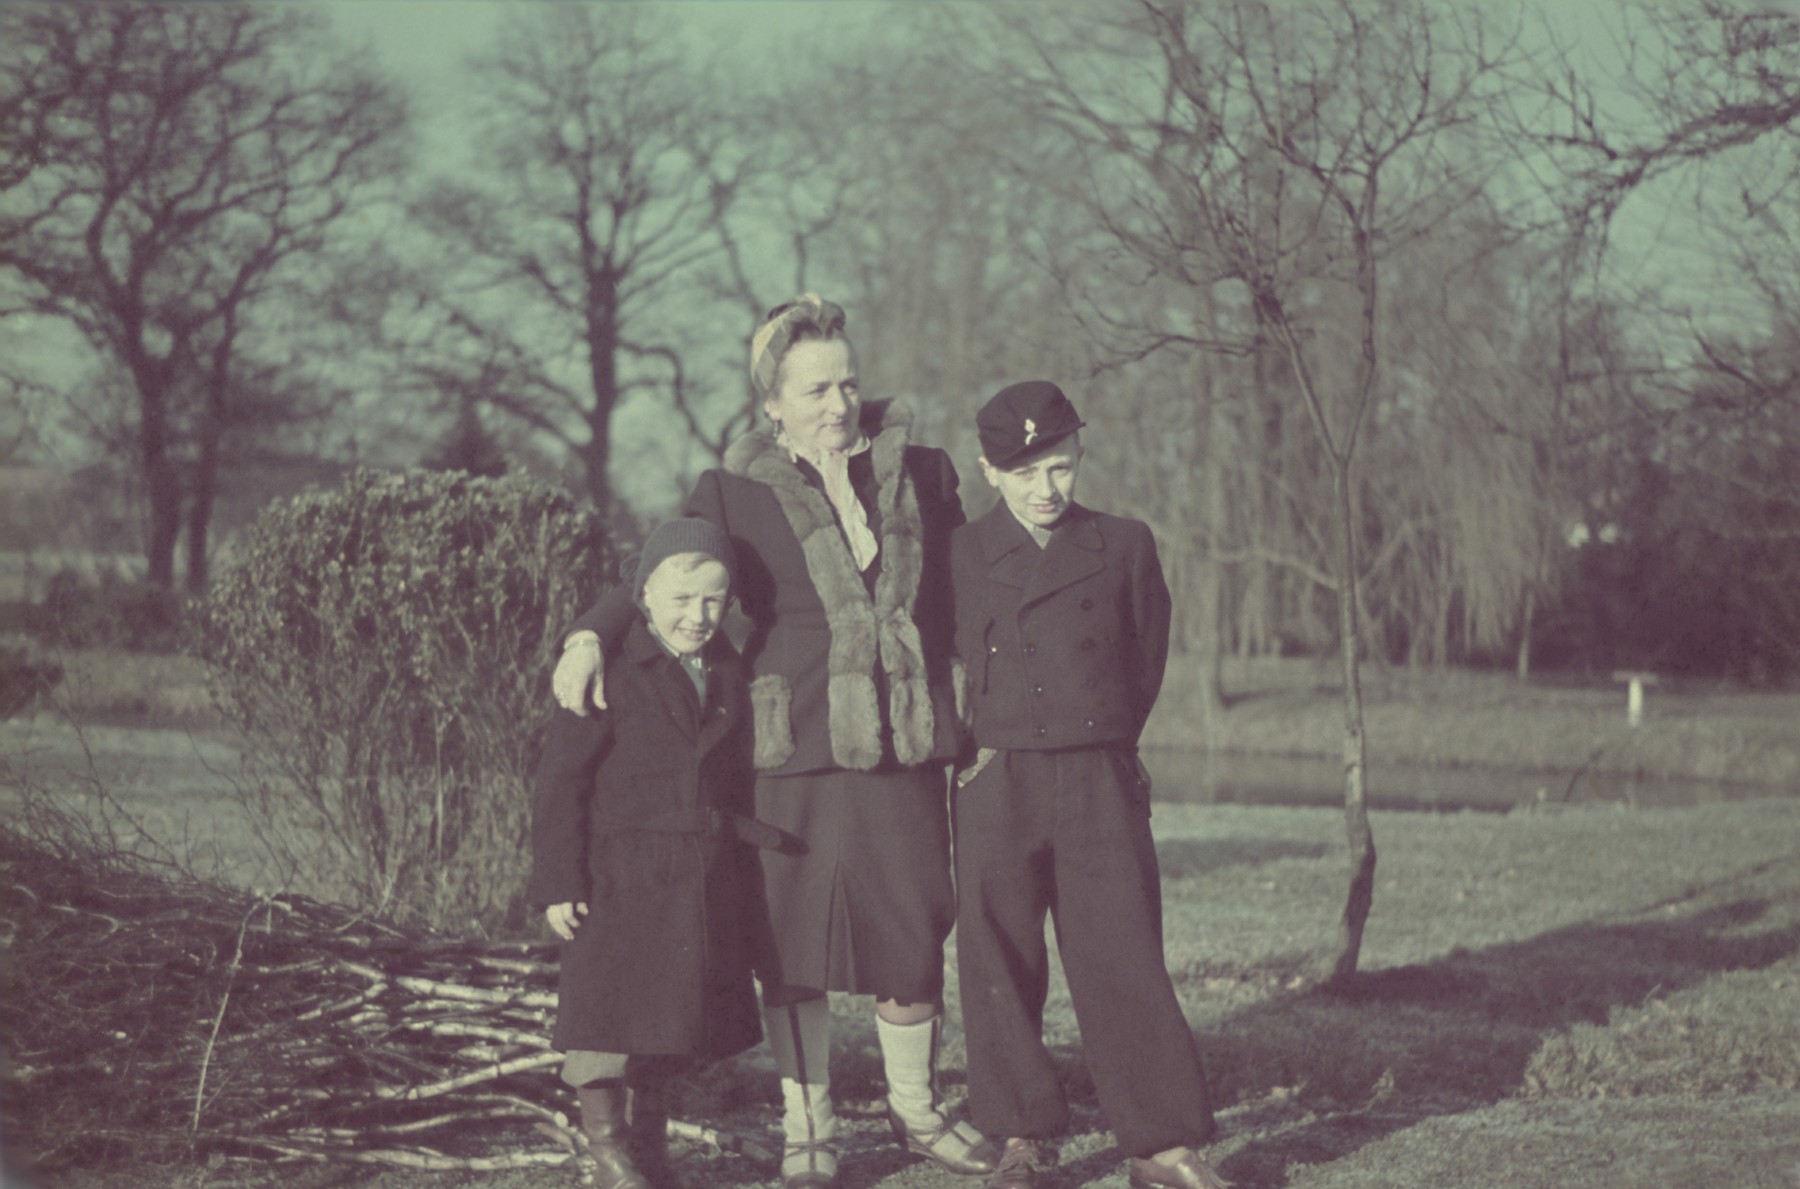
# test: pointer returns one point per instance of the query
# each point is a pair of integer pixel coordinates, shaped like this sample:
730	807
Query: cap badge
1030	431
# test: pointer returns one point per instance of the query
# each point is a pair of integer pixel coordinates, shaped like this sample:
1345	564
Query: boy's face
1041	488
685	597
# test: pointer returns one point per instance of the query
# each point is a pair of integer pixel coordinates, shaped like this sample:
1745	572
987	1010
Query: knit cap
690	534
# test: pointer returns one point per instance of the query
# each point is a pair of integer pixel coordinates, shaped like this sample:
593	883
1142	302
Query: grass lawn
1591	996
1462	719
1583	995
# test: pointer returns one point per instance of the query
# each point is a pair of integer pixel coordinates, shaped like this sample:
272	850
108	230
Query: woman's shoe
809	1157
921	1125
809	1165
952	1145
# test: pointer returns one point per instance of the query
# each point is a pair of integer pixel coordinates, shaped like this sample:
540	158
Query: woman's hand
581	667
564	917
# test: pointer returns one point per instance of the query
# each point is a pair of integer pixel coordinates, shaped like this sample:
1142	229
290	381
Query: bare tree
1713	108
182	168
611	178
1286	152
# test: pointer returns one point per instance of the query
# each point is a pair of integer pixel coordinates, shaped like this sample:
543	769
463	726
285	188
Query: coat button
1090	724
993	650
1038	690
1040	732
1030	649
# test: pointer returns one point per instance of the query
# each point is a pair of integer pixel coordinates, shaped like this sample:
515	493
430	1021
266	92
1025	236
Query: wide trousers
1067	833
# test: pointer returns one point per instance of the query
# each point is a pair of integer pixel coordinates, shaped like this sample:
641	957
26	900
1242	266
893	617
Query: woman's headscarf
808	312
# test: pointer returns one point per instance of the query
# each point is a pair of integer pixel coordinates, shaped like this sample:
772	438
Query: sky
425	42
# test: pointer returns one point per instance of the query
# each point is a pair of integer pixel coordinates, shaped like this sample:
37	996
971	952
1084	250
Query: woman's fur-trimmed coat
847	673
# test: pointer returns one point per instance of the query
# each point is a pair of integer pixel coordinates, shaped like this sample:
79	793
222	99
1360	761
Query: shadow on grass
1456	1034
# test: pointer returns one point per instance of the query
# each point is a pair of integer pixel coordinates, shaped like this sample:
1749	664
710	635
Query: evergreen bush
384	649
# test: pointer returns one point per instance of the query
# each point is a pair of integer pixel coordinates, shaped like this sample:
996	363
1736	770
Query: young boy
657	907
1062	619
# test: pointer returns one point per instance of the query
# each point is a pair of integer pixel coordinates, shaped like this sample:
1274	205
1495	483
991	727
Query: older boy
1063	623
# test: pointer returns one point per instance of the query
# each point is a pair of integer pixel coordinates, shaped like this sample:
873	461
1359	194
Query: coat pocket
771	711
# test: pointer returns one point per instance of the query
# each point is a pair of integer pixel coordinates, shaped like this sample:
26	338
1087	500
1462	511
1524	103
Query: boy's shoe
1022	1164
1190	1172
649	1142
953	1146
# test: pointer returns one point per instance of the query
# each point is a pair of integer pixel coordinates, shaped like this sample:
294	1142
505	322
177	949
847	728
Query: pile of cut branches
149	1014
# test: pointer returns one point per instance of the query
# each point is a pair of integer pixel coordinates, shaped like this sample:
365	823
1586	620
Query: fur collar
865	631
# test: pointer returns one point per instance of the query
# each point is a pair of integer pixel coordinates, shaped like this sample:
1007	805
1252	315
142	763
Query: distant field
23	574
115	686
1451	718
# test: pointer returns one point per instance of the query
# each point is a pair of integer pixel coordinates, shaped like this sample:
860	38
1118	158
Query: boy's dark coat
1065	646
625	817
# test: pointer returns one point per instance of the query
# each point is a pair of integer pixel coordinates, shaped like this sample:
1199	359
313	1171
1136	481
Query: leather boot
1023	1163
603	1123
649	1145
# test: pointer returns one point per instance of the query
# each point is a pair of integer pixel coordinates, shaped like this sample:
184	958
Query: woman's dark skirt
861	901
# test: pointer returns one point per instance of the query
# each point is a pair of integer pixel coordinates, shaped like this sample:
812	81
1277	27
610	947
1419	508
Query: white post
1634	683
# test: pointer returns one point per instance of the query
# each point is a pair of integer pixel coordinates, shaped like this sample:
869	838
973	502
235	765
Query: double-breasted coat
633	813
1065	647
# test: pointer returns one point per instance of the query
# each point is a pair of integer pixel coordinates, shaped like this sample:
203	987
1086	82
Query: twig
499	1070
237	960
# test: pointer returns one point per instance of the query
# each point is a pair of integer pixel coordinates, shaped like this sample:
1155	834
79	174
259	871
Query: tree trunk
603	375
199	519
164	492
1356	808
162	487
205	492
1526	619
1210	570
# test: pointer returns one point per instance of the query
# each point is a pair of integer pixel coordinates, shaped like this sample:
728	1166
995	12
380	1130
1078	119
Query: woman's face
816	397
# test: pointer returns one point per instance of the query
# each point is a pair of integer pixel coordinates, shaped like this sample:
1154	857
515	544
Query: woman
842	531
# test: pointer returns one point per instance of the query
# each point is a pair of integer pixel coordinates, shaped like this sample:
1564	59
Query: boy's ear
987	471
